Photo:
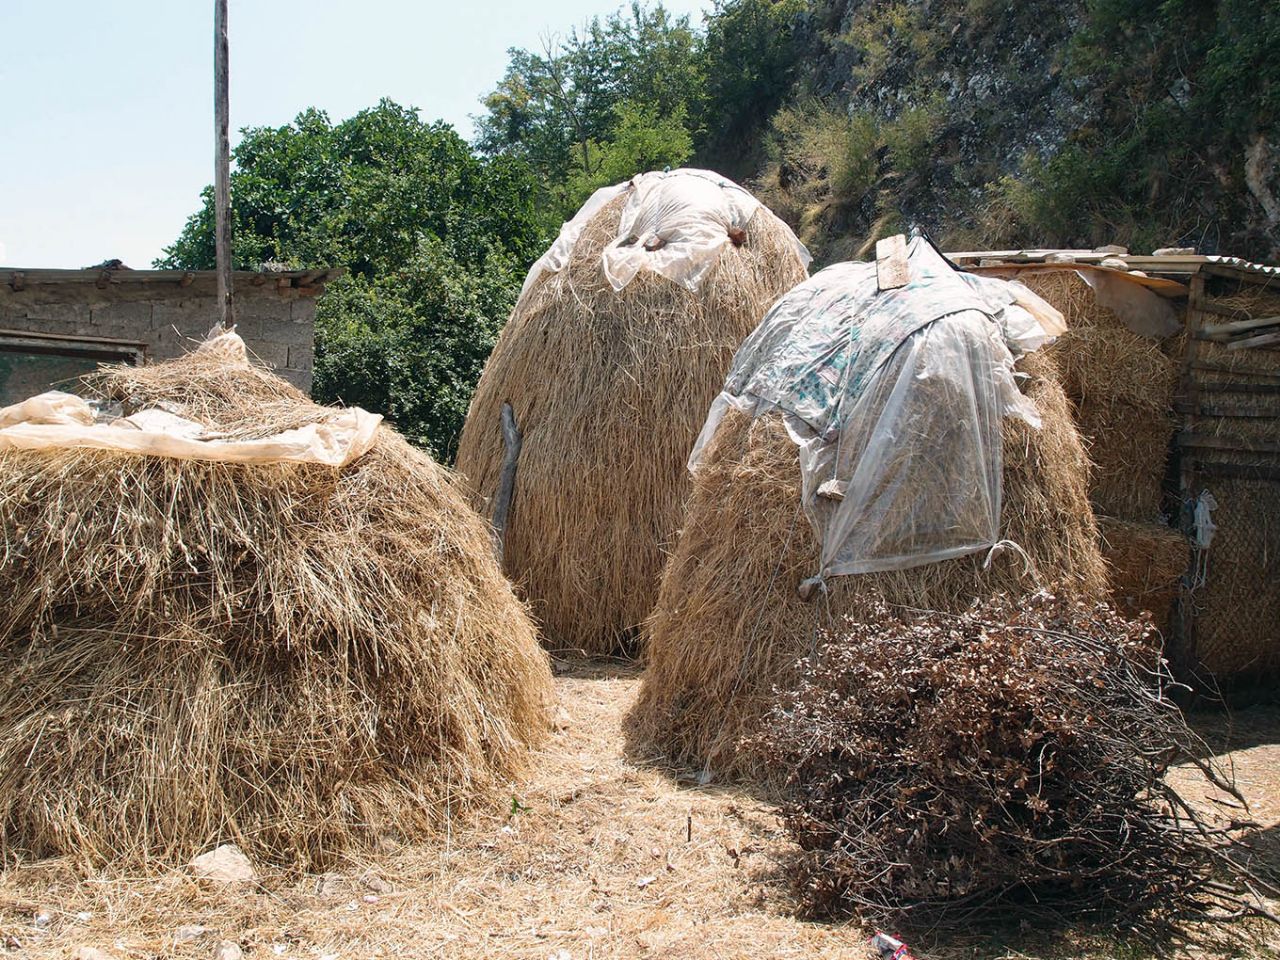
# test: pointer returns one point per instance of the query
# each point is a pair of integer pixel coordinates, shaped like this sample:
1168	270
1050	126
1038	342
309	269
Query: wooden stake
511	441
222	164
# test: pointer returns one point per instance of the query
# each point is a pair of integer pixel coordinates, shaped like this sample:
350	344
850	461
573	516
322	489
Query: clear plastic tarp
895	399
674	223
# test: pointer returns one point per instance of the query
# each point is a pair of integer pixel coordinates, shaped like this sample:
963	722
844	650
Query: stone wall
275	318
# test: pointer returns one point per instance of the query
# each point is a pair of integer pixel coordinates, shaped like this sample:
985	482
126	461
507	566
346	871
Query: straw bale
729	626
1145	563
294	658
1121	386
610	389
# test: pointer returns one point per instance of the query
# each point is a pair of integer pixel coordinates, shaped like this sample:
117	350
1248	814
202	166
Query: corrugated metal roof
1247	266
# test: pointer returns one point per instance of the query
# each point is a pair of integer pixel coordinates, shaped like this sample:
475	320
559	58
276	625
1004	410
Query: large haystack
609	388
1121	386
297	658
729	625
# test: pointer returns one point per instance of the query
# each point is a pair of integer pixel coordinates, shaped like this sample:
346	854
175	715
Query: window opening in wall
31	363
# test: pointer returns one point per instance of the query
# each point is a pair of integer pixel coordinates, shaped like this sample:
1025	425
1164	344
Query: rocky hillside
1074	122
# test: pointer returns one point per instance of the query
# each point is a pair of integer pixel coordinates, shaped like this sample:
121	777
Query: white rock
227	950
188	933
89	953
226	864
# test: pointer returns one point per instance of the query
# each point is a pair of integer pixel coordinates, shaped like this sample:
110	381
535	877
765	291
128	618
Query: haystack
1145	563
298	658
729	625
609	361
1121	386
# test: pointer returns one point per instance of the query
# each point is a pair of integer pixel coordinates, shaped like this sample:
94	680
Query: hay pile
1146	562
729	626
610	389
299	659
1003	765
1121	386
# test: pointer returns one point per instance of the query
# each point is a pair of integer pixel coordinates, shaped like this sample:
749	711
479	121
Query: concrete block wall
276	321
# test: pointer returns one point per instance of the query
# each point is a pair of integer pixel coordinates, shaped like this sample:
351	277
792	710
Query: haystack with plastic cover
620	339
233	615
910	443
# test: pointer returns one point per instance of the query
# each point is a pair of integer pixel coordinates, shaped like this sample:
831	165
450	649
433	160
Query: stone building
58	324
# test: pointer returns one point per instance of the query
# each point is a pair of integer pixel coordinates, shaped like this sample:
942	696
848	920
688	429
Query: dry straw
729	625
298	659
610	389
1146	562
1121	385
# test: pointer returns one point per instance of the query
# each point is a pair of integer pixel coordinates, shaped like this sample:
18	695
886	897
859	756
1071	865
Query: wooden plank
1203	441
1188	382
1219	368
1240	387
1171	289
1252	343
892	270
222	165
511	442
1251	471
1212	410
34	277
1233	272
63	339
1233	313
1227	330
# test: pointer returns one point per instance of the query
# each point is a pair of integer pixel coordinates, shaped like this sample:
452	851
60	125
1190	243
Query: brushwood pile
1005	763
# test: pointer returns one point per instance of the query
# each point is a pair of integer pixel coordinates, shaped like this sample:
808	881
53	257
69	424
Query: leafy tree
642	141
750	57
435	238
411	344
572	108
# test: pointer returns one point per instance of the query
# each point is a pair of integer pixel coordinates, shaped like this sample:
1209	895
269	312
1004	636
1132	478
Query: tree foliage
435	238
617	92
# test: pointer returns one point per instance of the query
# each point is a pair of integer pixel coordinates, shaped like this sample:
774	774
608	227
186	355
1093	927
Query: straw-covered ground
605	856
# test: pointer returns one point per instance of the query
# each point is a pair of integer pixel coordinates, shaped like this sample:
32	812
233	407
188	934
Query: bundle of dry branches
1003	763
297	658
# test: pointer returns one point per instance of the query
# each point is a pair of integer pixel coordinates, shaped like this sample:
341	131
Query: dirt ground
597	856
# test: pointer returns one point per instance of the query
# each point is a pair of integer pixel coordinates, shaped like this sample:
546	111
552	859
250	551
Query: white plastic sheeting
158	433
895	399
674	223
56	420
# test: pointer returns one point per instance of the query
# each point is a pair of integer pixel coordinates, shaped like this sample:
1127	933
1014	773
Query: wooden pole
511	441
222	164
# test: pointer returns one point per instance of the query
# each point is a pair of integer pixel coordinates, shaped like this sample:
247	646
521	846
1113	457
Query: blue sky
108	133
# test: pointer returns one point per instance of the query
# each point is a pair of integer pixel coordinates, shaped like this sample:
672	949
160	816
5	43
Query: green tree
642	140
435	238
750	56
571	108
